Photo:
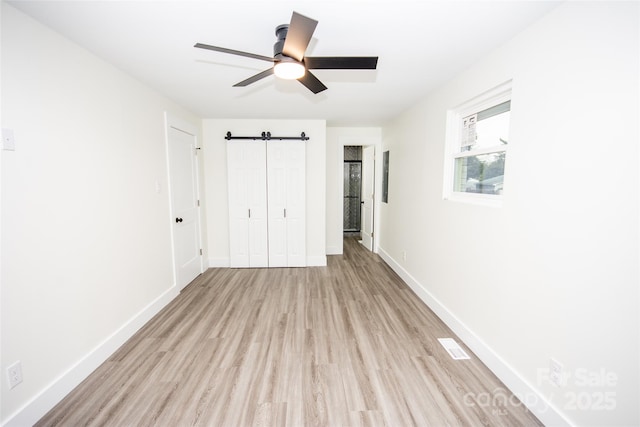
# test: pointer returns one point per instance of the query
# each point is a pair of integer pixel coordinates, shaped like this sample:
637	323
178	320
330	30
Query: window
477	142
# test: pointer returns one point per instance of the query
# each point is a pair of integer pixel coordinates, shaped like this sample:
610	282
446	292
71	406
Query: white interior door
286	188
183	182
276	183
366	224
296	204
248	239
257	200
238	205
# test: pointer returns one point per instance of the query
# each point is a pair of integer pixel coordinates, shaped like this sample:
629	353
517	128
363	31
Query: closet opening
352	207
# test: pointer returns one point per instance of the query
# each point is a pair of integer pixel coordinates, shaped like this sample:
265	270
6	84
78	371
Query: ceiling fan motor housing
281	34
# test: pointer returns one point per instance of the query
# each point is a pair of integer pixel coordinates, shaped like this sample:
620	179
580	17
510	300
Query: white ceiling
420	45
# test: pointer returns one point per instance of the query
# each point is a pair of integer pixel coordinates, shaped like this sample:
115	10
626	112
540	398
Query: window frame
488	99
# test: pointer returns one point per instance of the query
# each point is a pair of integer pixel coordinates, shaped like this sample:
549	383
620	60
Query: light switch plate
8	141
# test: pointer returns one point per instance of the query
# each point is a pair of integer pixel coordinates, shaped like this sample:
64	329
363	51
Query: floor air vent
454	350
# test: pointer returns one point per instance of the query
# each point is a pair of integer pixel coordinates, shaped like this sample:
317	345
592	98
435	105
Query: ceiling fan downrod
281	35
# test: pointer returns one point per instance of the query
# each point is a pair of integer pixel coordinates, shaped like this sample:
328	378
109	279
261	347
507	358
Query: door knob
178	219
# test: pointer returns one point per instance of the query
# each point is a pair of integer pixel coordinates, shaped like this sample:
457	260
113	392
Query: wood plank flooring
344	345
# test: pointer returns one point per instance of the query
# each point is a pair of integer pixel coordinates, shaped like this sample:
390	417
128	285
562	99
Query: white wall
337	138
86	255
554	271
215	158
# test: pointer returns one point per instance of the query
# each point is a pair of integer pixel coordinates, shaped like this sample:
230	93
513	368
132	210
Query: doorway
352	177
359	149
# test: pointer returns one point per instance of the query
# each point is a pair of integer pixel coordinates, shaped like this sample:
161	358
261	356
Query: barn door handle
178	219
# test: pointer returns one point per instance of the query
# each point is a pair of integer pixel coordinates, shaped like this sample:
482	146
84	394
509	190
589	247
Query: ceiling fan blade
312	83
233	52
341	62
299	35
253	79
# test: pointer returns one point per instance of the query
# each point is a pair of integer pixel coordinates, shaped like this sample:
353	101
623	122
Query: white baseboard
219	262
538	404
312	261
35	409
317	261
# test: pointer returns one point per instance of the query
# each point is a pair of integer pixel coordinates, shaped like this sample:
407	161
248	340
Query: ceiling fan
289	61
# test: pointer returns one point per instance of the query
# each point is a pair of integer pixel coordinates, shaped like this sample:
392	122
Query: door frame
363	141
175	122
366	183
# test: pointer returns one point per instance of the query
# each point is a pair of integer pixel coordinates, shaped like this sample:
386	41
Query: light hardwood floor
344	345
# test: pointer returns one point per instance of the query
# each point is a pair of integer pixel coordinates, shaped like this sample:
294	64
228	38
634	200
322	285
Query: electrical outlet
555	372
14	374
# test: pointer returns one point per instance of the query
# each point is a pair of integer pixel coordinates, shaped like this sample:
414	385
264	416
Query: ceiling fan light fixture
289	69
